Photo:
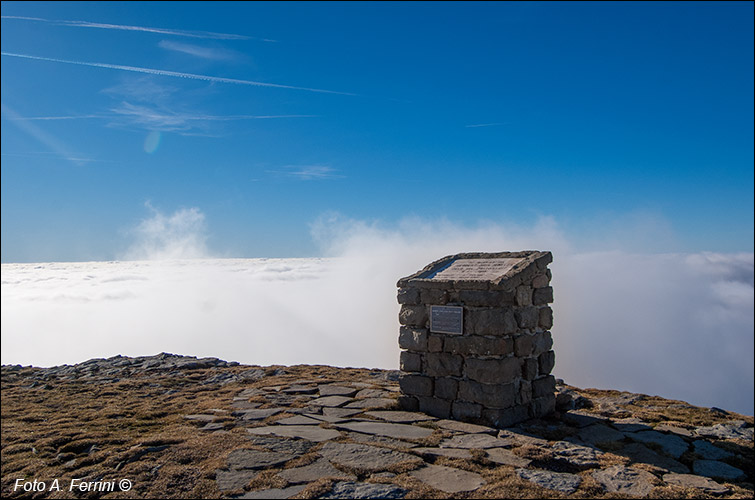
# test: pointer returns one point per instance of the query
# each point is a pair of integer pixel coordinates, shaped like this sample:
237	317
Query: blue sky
264	117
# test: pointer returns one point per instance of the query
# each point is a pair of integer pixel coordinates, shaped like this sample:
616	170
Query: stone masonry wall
498	371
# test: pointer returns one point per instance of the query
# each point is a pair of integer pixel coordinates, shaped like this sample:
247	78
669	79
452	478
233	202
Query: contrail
162	72
162	31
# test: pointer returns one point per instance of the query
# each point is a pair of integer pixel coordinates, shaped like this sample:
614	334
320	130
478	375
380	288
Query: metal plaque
475	269
447	319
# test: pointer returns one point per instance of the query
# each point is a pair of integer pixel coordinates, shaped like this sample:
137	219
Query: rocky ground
181	427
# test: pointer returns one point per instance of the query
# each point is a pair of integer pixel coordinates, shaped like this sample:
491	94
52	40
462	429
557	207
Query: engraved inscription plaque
475	269
446	319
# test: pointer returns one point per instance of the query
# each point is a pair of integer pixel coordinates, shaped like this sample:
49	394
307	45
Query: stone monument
475	338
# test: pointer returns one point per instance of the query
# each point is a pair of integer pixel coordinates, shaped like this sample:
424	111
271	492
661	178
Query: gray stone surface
314	471
559	481
445	452
200	418
703	484
308	432
709	451
283	445
358	437
470	441
350	489
716	469
521	438
448	479
398	431
506	457
372	403
640	453
671	444
580	457
255	459
340	412
336	390
464	427
598	434
297	420
333	401
233	479
630	425
679	431
273	493
260	414
730	430
626	480
399	416
362	456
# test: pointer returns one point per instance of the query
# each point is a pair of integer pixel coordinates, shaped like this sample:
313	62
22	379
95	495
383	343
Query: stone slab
259	414
336	390
227	480
626	480
332	401
297	420
273	493
710	451
256	459
470	441
280	444
351	489
398	431
475	269
444	452
671	444
580	457
340	412
597	434
716	469
448	479
399	416
506	457
314	471
559	481
454	425
308	432
372	403
698	482
640	453
362	456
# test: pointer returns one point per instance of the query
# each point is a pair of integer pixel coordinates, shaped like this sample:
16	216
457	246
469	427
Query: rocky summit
180	427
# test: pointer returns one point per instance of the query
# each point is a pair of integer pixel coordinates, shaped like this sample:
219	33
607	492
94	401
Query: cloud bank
676	325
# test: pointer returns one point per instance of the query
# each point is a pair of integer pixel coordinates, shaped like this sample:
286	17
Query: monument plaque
474	269
447	319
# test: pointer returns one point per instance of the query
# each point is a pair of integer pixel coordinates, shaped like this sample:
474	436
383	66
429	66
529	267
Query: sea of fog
674	325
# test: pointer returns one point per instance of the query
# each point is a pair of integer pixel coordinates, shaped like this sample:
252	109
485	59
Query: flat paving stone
372	393
679	431
212	426
444	452
631	424
283	445
731	430
709	451
716	469
340	412
244	405
398	431
372	403
581	419
671	444
703	484
581	457
453	425
362	456
333	401
308	432
383	440
399	416
559	481
598	434
506	457
351	489
301	389
336	390
639	453
314	471
475	441
273	493
200	418
227	480
297	420
626	480
255	459
259	414
448	479
522	438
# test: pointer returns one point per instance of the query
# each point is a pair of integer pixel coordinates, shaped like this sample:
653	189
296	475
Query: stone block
542	296
433	296
523	345
408	296
416	385
525	392
408	403
541	281
527	317
530	368
544	386
412	339
547	360
545	319
435	343
541	407
485	298
498	321
446	388
493	371
490	396
413	315
543	261
410	362
475	345
505	417
466	411
441	364
524	295
436	407
543	342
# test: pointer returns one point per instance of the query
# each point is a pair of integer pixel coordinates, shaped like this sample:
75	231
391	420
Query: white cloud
181	235
213	53
308	172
